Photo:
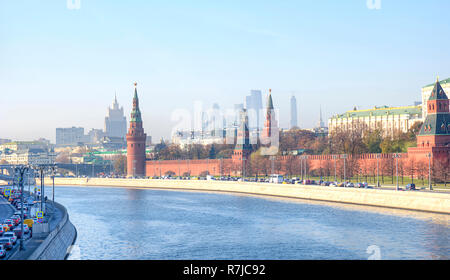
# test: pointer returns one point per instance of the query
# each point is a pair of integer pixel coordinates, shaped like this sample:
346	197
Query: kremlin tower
434	136
136	141
243	148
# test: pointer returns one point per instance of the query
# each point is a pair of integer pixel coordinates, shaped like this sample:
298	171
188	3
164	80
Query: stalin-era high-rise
136	141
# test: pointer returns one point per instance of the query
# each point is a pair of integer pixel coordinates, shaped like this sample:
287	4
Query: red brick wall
216	167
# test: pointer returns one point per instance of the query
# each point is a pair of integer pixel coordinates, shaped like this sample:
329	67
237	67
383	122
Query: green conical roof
136	113
438	92
269	101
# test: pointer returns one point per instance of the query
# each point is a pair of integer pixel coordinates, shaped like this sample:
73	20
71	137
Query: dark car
410	187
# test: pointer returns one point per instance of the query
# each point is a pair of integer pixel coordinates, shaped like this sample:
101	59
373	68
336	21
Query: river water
119	223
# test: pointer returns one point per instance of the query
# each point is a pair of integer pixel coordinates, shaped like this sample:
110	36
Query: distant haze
60	67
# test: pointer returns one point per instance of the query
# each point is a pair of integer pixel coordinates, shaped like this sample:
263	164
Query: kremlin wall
433	146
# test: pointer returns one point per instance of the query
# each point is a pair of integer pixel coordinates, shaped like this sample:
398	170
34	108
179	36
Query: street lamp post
53	167
301	167
21	171
345	167
335	172
396	156
429	156
378	171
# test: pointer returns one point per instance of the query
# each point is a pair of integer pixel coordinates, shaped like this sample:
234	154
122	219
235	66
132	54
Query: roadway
6	211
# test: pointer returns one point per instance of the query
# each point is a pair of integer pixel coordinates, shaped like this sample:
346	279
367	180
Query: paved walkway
55	216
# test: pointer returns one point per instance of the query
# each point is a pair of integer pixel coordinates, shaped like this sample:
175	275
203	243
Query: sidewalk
37	239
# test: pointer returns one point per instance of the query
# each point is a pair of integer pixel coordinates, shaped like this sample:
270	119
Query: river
138	224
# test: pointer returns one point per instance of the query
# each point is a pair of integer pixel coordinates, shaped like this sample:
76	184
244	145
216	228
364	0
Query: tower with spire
243	147
434	136
270	125
136	141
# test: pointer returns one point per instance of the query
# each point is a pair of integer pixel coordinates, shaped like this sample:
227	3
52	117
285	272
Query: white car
11	236
276	179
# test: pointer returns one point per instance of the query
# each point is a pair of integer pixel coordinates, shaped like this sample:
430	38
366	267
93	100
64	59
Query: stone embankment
409	200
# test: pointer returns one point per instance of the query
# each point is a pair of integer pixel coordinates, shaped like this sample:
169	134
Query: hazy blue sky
60	67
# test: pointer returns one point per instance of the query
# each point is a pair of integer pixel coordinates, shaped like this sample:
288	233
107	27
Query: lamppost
429	156
272	163
345	167
335	171
53	168
305	158
41	172
396	156
378	171
20	171
301	167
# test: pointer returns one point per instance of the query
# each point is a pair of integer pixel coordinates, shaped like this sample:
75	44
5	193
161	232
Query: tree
349	141
372	140
63	158
212	152
120	165
422	170
441	170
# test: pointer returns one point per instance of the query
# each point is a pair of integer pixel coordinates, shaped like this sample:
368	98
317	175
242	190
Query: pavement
54	215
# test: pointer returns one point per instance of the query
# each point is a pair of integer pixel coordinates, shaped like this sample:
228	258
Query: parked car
6	242
276	179
11	235
350	185
2	251
410	187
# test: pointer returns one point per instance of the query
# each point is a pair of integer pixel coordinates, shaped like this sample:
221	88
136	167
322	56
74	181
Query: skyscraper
294	117
253	103
115	121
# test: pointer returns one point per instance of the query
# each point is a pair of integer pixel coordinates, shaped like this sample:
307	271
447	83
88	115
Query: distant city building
253	104
70	136
25	145
237	109
185	138
27	152
388	119
426	93
115	121
96	135
294	117
110	143
3	141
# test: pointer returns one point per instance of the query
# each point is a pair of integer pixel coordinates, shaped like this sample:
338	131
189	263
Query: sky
61	65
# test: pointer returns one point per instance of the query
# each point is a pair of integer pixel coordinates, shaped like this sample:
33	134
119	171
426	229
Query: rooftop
382	111
443	83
